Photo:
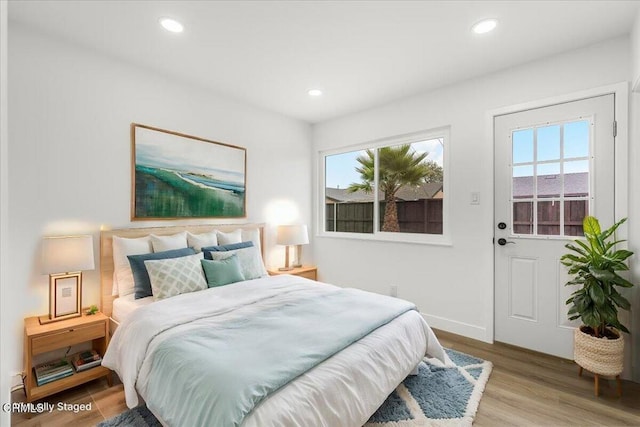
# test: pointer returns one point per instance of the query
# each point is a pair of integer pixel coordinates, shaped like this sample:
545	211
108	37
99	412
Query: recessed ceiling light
314	92
171	25
485	26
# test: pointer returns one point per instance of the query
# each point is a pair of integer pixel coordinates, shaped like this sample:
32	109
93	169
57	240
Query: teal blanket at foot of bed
216	376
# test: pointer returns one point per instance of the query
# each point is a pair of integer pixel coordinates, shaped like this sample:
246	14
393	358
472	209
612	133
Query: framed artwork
65	296
177	176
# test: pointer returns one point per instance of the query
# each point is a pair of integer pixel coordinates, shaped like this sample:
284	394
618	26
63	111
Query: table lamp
292	235
64	258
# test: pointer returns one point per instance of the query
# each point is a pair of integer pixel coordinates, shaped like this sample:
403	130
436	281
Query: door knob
503	241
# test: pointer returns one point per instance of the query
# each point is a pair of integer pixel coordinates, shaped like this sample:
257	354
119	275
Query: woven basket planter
601	356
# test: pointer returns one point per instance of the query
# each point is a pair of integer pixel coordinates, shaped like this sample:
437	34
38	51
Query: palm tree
398	166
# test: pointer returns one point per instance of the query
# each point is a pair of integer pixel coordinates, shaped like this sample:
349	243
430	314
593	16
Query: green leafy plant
595	264
93	309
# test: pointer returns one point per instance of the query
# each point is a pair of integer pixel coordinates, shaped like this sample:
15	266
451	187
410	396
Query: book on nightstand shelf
51	371
86	360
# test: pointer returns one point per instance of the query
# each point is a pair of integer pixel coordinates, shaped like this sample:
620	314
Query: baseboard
455	327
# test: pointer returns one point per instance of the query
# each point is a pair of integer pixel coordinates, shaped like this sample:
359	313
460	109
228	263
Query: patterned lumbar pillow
175	276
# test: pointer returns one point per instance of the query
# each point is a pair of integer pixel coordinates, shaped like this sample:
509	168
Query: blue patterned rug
437	396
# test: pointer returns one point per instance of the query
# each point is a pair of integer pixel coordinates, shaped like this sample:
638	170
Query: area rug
438	396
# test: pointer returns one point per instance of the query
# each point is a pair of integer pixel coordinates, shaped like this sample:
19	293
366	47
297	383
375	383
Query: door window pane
548	143
556	178
523	146
549	218
523	182
523	218
549	182
574	213
576	139
576	179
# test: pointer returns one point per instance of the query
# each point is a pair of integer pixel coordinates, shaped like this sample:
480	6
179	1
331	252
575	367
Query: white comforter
344	390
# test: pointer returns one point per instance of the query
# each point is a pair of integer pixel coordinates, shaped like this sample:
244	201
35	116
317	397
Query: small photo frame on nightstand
65	296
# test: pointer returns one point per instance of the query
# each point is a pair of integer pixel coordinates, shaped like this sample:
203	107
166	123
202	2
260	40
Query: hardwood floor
525	389
532	389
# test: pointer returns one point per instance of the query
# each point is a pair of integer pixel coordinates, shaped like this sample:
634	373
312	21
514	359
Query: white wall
635	53
634	225
6	359
450	284
70	168
634	194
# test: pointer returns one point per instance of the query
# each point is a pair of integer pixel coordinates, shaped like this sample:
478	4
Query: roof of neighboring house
425	191
575	184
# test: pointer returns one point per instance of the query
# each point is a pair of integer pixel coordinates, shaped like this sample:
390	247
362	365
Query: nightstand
308	271
40	339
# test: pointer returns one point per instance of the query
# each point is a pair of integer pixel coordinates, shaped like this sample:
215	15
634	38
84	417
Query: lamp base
286	268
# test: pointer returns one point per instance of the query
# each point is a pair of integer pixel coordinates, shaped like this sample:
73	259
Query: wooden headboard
106	250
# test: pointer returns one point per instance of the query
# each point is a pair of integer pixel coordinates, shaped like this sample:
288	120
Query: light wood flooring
525	389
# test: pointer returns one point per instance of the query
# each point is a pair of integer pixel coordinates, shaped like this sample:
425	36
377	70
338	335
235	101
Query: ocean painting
180	176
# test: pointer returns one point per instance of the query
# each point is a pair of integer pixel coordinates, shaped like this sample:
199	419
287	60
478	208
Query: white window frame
590	198
377	235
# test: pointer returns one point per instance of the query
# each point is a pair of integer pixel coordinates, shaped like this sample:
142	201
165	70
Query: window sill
421	239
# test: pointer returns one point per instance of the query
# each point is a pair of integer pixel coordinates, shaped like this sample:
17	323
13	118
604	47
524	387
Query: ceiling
360	53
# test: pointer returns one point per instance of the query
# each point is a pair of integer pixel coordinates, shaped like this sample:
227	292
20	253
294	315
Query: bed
269	340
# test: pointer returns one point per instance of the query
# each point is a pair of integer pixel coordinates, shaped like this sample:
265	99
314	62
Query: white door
553	166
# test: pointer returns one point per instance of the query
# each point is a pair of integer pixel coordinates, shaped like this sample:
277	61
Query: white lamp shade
292	235
67	254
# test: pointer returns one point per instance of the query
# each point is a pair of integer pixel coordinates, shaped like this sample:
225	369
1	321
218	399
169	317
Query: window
394	187
551	183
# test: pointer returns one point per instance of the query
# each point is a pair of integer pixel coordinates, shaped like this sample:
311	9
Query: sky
164	150
340	168
576	147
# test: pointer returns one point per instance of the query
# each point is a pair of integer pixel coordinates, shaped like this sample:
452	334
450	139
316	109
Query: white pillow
124	277
167	243
229	238
252	235
123	246
251	263
198	241
175	276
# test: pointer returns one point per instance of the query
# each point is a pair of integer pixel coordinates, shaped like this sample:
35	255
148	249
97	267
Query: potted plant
594	265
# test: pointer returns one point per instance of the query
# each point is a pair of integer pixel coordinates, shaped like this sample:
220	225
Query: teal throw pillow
222	272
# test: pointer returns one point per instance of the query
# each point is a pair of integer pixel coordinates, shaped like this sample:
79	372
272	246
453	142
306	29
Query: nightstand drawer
67	337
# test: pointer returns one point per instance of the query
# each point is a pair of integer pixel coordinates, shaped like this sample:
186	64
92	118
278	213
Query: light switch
475	198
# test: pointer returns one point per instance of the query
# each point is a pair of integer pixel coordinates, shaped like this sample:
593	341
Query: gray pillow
251	263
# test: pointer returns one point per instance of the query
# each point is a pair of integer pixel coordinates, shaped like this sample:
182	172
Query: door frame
621	178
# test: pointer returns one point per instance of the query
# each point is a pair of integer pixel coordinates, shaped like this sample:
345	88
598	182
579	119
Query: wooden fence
416	216
549	217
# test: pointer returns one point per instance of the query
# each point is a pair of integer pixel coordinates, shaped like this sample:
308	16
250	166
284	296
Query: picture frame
65	296
180	176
